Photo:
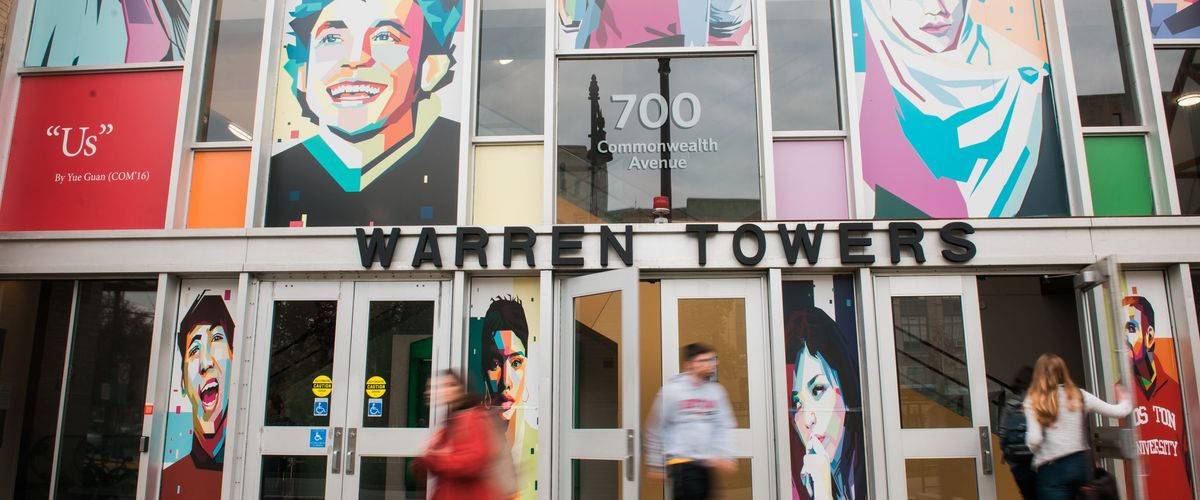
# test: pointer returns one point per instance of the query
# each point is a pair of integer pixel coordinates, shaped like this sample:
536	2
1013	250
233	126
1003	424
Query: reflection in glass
597	361
804	93
512	55
400	354
1096	34
106	388
302	335
1179	76
37	314
596	480
721	323
292	477
389	478
231	71
941	478
931	367
630	130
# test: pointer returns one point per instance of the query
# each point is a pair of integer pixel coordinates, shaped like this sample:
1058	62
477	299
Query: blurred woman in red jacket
462	452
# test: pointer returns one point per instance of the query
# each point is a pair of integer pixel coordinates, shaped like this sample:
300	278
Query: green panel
1120	175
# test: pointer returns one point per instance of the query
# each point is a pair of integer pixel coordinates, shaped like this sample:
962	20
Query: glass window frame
766	184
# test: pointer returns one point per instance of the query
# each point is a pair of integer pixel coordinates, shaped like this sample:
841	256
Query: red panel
91	152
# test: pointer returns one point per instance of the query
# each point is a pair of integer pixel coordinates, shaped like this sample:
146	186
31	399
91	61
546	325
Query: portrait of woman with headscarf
957	116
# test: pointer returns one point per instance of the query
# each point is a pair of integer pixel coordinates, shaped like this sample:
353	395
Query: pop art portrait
197	414
957	114
505	357
367	120
825	419
90	32
612	24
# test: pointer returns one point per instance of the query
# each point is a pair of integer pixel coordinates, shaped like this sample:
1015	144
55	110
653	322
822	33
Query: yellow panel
508	185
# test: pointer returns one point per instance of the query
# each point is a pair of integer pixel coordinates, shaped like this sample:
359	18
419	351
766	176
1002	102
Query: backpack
1012	432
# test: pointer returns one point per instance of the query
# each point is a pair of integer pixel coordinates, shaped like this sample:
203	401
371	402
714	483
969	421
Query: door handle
336	450
985	448
630	445
351	447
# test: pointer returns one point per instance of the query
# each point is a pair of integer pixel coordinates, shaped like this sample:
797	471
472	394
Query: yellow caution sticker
322	386
376	387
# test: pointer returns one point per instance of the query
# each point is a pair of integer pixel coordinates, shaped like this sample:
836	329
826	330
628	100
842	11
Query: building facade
237	238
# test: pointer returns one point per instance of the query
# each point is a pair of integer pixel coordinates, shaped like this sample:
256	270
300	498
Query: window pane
106	389
1179	75
231	71
804	93
1096	34
810	180
399	364
292	477
931	366
512	57
1119	174
300	370
597	361
614	24
634	129
36	315
941	478
508	184
721	323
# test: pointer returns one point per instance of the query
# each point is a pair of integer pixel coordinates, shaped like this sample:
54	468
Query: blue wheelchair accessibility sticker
320	407
316	438
375	407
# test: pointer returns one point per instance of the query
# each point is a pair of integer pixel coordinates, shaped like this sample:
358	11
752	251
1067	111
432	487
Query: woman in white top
1055	410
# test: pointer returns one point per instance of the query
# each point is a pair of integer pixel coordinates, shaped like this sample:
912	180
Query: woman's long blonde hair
1049	373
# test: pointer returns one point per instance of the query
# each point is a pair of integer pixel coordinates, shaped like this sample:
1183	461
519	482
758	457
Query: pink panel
810	180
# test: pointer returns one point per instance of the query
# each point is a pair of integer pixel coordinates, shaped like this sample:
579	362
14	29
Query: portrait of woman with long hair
826	421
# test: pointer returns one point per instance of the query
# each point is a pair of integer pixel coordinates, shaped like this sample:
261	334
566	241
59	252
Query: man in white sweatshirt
688	431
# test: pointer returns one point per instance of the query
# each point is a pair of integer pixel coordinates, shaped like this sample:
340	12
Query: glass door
936	415
727	315
340	385
598	367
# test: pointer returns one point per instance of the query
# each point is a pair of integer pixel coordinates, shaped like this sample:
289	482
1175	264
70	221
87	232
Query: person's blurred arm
723	438
652	437
1097	405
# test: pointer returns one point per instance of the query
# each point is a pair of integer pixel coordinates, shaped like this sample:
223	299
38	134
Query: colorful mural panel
957	116
825	407
505	356
87	32
1158	413
614	24
1174	18
91	152
367	114
201	386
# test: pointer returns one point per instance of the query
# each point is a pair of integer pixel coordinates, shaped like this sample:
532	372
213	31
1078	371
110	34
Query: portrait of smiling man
366	73
205	343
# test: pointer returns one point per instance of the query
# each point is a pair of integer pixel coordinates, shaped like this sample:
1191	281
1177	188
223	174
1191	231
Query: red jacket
459	456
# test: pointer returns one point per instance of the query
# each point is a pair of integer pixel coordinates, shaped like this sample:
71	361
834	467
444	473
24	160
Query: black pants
690	481
1026	479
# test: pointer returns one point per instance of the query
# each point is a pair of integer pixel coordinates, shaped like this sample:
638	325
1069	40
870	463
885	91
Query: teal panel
1119	171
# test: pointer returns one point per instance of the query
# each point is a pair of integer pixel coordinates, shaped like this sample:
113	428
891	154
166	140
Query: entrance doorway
621	339
340	394
955	344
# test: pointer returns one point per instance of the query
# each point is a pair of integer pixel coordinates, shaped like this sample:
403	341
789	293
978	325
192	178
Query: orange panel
218	192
